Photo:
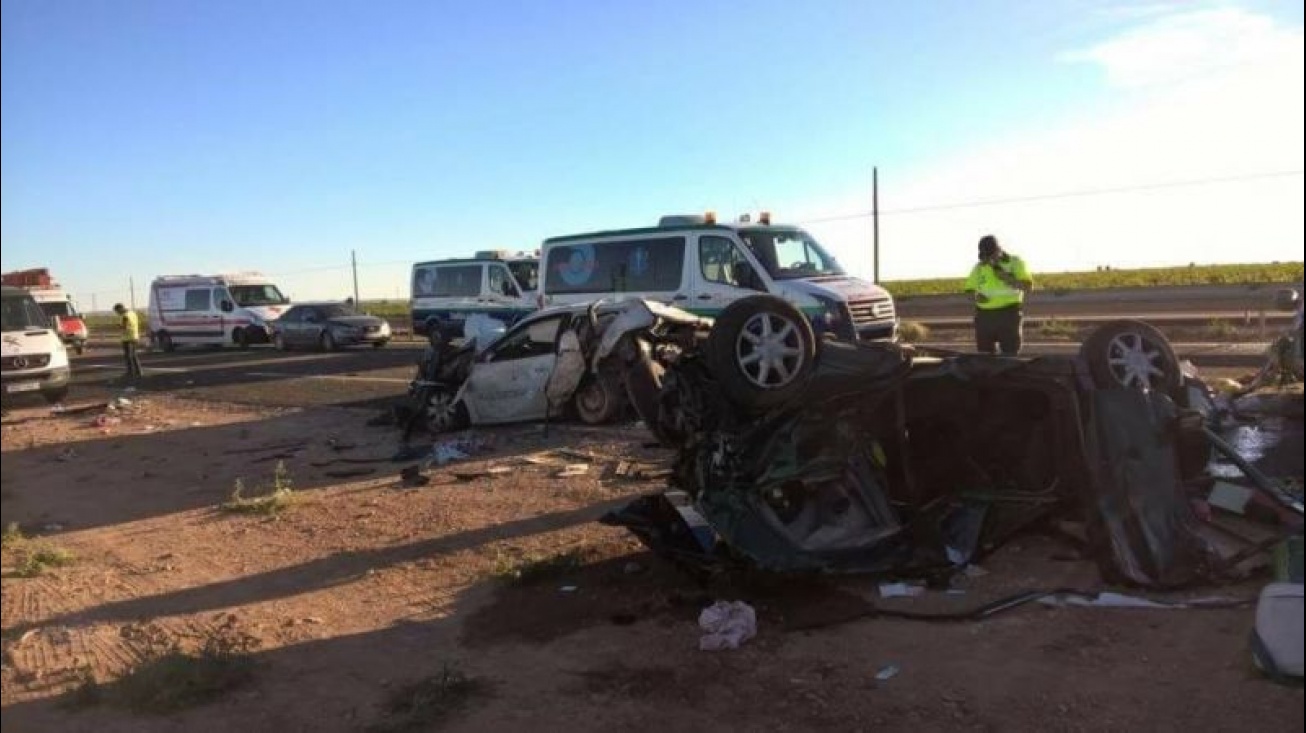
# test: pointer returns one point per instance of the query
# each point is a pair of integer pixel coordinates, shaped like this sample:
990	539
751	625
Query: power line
1060	195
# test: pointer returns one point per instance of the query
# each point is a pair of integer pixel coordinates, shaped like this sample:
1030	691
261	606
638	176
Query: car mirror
227	306
1286	299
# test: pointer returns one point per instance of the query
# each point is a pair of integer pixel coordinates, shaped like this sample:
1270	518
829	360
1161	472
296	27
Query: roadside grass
1064	282
532	568
169	679
278	499
32	558
43	557
1219	328
913	331
426	703
1055	328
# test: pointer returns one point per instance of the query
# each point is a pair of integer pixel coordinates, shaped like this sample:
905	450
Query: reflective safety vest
131	327
984	279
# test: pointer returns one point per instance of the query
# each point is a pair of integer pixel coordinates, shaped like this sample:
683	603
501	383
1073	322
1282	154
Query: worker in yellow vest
998	283
131	336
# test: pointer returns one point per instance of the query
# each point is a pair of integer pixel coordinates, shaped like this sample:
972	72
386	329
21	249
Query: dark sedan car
328	326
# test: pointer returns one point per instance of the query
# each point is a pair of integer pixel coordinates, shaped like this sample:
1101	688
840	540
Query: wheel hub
1132	361
769	350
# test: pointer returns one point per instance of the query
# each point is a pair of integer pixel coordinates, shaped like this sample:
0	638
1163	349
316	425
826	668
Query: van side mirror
1286	299
227	306
747	276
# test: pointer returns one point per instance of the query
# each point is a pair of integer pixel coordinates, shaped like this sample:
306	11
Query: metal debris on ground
573	469
726	625
901	590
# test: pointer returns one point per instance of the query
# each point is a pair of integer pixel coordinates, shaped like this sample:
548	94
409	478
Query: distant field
1195	275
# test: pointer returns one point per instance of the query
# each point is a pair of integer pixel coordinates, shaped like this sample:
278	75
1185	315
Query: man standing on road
998	282
131	336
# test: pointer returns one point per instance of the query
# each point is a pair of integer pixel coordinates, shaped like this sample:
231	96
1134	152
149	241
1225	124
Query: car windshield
337	310
58	308
21	314
790	254
247	295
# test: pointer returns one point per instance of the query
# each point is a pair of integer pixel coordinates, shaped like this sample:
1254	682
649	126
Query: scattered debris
1110	599
105	421
901	590
65	455
1230	497
568	589
1277	637
573	469
726	625
413	476
887	673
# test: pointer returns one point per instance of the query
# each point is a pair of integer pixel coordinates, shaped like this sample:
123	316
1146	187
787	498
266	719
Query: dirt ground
363	585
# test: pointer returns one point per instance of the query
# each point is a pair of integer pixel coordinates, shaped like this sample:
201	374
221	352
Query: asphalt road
362	378
372	378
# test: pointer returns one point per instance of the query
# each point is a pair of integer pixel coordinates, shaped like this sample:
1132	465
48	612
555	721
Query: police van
699	265
496	284
214	310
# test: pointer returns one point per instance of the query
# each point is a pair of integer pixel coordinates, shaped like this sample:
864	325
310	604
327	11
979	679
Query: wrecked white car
591	361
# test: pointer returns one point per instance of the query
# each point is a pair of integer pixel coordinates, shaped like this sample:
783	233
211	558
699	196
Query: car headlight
832	312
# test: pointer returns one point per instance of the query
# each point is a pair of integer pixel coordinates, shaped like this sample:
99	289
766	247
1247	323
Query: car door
202	316
723	273
508	383
309	328
286	325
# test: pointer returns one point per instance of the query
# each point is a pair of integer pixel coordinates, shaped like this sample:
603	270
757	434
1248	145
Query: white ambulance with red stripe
214	310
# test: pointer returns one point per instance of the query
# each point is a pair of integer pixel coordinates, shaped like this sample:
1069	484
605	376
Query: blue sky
147	138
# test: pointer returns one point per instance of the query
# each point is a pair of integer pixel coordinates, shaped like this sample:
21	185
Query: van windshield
58	308
22	314
790	254
247	295
526	272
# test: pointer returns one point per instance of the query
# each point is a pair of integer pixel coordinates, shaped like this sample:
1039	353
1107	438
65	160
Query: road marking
281	375
119	367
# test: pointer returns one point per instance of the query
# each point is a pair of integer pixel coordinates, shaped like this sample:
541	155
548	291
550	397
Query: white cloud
1178	46
1192	121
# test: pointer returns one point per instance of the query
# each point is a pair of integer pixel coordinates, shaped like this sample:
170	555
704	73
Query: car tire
379	344
279	342
328	341
1133	355
165	341
241	337
79	348
443	415
761	350
599	401
55	395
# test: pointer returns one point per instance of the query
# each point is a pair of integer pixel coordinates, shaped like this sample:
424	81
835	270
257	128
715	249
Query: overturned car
801	455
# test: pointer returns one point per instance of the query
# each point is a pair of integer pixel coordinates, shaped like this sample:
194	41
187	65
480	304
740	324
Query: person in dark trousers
998	283
131	336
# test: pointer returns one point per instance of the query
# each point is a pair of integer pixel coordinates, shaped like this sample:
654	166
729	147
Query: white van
34	358
697	265
495	283
214	310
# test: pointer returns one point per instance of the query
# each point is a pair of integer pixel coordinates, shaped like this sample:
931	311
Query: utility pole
875	221
94	308
353	259
131	285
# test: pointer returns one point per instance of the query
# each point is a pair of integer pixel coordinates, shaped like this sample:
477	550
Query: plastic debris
104	421
887	673
573	469
901	590
443	453
1230	497
726	625
1120	600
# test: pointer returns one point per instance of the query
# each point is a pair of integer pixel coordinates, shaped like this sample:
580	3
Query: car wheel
328	341
379	344
165	341
55	395
279	342
79	348
760	350
241	337
1133	355
599	401
443	414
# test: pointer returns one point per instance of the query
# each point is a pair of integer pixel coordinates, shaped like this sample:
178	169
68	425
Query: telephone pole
875	221
131	285
353	259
